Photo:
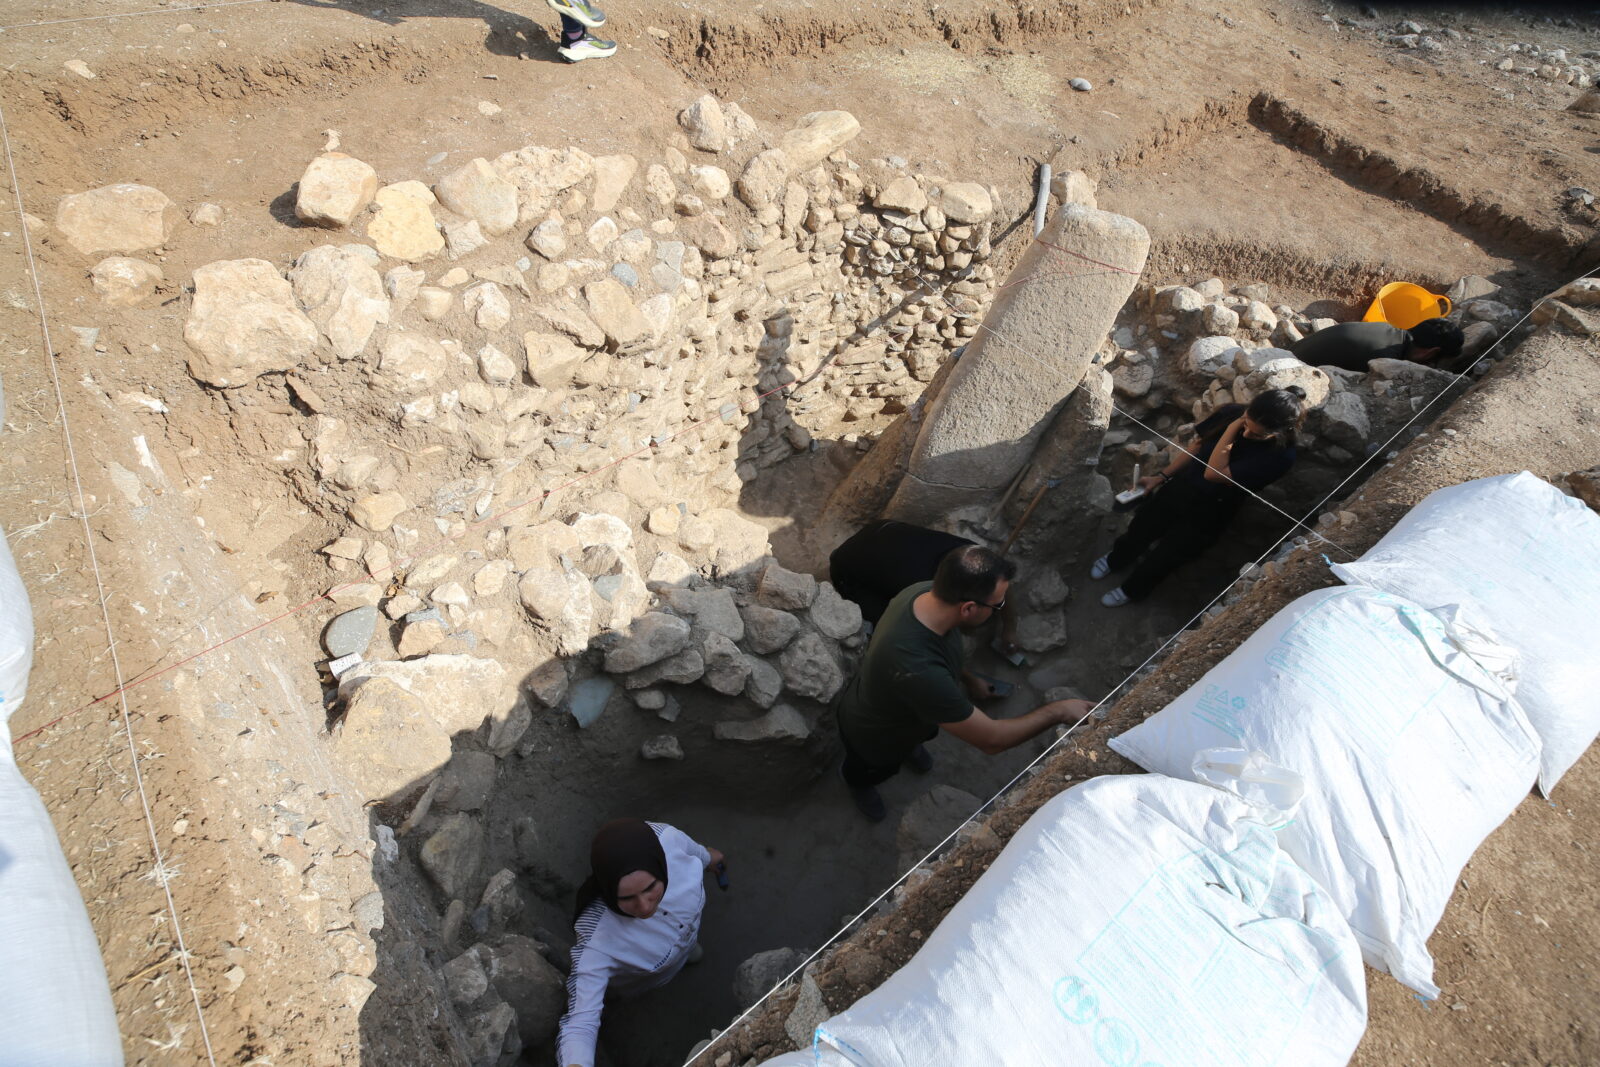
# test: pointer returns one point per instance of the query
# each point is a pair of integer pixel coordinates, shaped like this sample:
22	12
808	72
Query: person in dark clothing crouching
1238	450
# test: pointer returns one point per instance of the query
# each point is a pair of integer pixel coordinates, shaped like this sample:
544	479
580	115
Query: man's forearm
1009	733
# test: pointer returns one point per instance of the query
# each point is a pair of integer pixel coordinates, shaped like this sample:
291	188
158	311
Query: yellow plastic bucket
1404	305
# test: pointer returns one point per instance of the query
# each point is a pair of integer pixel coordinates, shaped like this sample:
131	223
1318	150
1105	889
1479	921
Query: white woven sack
1135	919
55	1005
16	639
1412	753
1524	558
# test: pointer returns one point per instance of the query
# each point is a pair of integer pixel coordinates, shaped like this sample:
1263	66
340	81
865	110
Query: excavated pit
253	770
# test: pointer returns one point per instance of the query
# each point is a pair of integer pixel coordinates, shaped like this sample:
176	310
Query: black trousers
1177	523
571	30
860	773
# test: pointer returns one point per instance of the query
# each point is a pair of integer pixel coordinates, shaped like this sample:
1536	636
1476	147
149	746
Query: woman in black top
1238	451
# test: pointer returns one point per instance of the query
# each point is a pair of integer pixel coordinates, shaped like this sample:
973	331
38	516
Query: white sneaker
1116	598
1101	568
580	11
587	47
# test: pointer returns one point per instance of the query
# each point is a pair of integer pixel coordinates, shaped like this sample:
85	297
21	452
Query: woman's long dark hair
1279	411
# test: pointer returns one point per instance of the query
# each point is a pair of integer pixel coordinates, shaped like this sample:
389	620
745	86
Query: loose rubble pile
1553	64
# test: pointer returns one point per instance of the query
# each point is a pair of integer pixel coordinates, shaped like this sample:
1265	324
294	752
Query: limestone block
653	637
817	136
788	590
1208	355
495	367
124	282
782	724
559	598
377	511
401	285
408	362
388	741
659	184
551	359
404	226
709	235
705	124
529	984
463	237
809	668
434	303
969	203
487	304
116	218
727	669
684	668
768	629
548	682
477	191
763	178
1343	420
342	294
1285	372
541	174
710	182
421	637
1074	187
244	323
451	854
568	318
902	194
611	177
764	683
464	979
1219	319
334	189
614	311
716	611
832	614
1133	380
662	746
457	691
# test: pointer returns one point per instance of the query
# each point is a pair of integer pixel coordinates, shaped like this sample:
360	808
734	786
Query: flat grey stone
589	699
350	633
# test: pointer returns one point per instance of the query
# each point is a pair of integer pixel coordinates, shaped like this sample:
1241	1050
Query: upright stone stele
1039	337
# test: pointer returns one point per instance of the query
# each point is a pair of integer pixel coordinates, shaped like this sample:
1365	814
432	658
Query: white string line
161	872
129	14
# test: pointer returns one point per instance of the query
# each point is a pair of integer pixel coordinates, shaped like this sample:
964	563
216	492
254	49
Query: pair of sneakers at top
588	46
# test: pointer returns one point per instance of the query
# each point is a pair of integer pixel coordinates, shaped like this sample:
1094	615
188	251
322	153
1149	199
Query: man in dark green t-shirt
912	683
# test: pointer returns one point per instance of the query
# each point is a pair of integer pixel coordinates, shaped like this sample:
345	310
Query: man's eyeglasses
991	607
